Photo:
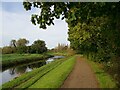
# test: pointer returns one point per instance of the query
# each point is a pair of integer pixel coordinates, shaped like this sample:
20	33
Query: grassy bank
15	59
104	79
56	71
56	77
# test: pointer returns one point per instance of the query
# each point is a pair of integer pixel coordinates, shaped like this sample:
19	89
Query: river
16	71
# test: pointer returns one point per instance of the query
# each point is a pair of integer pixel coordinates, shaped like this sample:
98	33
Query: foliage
20	46
22	42
0	50
38	47
13	43
73	11
22	49
104	79
113	68
94	28
60	48
8	50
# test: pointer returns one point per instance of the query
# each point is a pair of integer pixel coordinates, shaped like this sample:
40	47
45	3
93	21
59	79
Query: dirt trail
81	76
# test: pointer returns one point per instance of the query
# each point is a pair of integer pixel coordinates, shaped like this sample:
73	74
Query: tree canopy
38	46
89	23
20	46
22	42
71	11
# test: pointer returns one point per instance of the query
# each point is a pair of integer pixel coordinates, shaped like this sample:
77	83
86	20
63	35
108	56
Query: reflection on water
11	73
49	60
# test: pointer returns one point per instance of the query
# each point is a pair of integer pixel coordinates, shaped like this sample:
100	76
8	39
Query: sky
16	24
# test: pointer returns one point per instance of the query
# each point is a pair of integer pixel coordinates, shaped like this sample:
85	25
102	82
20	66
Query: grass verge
104	79
56	77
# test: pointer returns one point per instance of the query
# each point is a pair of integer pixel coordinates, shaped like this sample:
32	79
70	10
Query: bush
22	49
38	47
8	50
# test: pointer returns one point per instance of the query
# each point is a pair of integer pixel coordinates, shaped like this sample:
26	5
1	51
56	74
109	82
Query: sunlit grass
56	77
29	78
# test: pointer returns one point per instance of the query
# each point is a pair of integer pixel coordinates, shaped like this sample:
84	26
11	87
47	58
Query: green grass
56	77
29	78
12	59
104	79
49	76
35	78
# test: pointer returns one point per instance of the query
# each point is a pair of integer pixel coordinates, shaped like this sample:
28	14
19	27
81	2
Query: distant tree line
20	46
61	47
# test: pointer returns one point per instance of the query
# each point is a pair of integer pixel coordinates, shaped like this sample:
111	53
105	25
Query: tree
61	48
84	14
8	50
22	49
13	43
0	50
38	47
22	42
73	12
21	45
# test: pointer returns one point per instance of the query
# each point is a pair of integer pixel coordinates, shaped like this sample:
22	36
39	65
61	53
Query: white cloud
18	25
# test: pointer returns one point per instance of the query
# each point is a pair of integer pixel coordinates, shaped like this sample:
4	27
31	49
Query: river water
16	71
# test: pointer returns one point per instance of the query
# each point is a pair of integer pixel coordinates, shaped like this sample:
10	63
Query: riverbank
51	75
10	60
54	74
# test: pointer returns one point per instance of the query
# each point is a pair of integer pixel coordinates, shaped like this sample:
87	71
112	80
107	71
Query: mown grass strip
56	77
104	79
38	76
26	76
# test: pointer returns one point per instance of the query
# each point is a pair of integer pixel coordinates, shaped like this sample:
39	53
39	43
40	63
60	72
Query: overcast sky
16	24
